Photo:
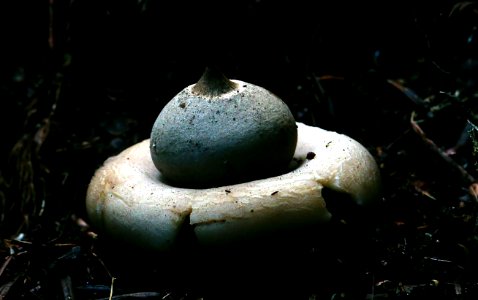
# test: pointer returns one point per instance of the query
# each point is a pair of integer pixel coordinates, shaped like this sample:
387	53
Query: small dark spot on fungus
274	193
182	105
310	155
212	222
328	144
252	210
227	191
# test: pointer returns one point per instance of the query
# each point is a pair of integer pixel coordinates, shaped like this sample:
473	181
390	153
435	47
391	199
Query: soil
83	80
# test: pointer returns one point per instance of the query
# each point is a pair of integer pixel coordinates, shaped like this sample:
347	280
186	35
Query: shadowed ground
82	80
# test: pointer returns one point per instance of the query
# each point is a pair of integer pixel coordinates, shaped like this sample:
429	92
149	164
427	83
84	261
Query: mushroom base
128	199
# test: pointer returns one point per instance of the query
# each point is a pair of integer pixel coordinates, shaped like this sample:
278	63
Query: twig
139	295
5	264
409	93
111	289
67	288
322	92
464	174
102	263
4	289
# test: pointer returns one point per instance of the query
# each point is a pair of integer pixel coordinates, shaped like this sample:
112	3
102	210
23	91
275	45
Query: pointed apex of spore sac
213	83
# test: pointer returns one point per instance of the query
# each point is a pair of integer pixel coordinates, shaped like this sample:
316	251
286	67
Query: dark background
82	80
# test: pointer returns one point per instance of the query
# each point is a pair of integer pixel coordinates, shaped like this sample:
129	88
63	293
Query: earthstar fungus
220	131
227	157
